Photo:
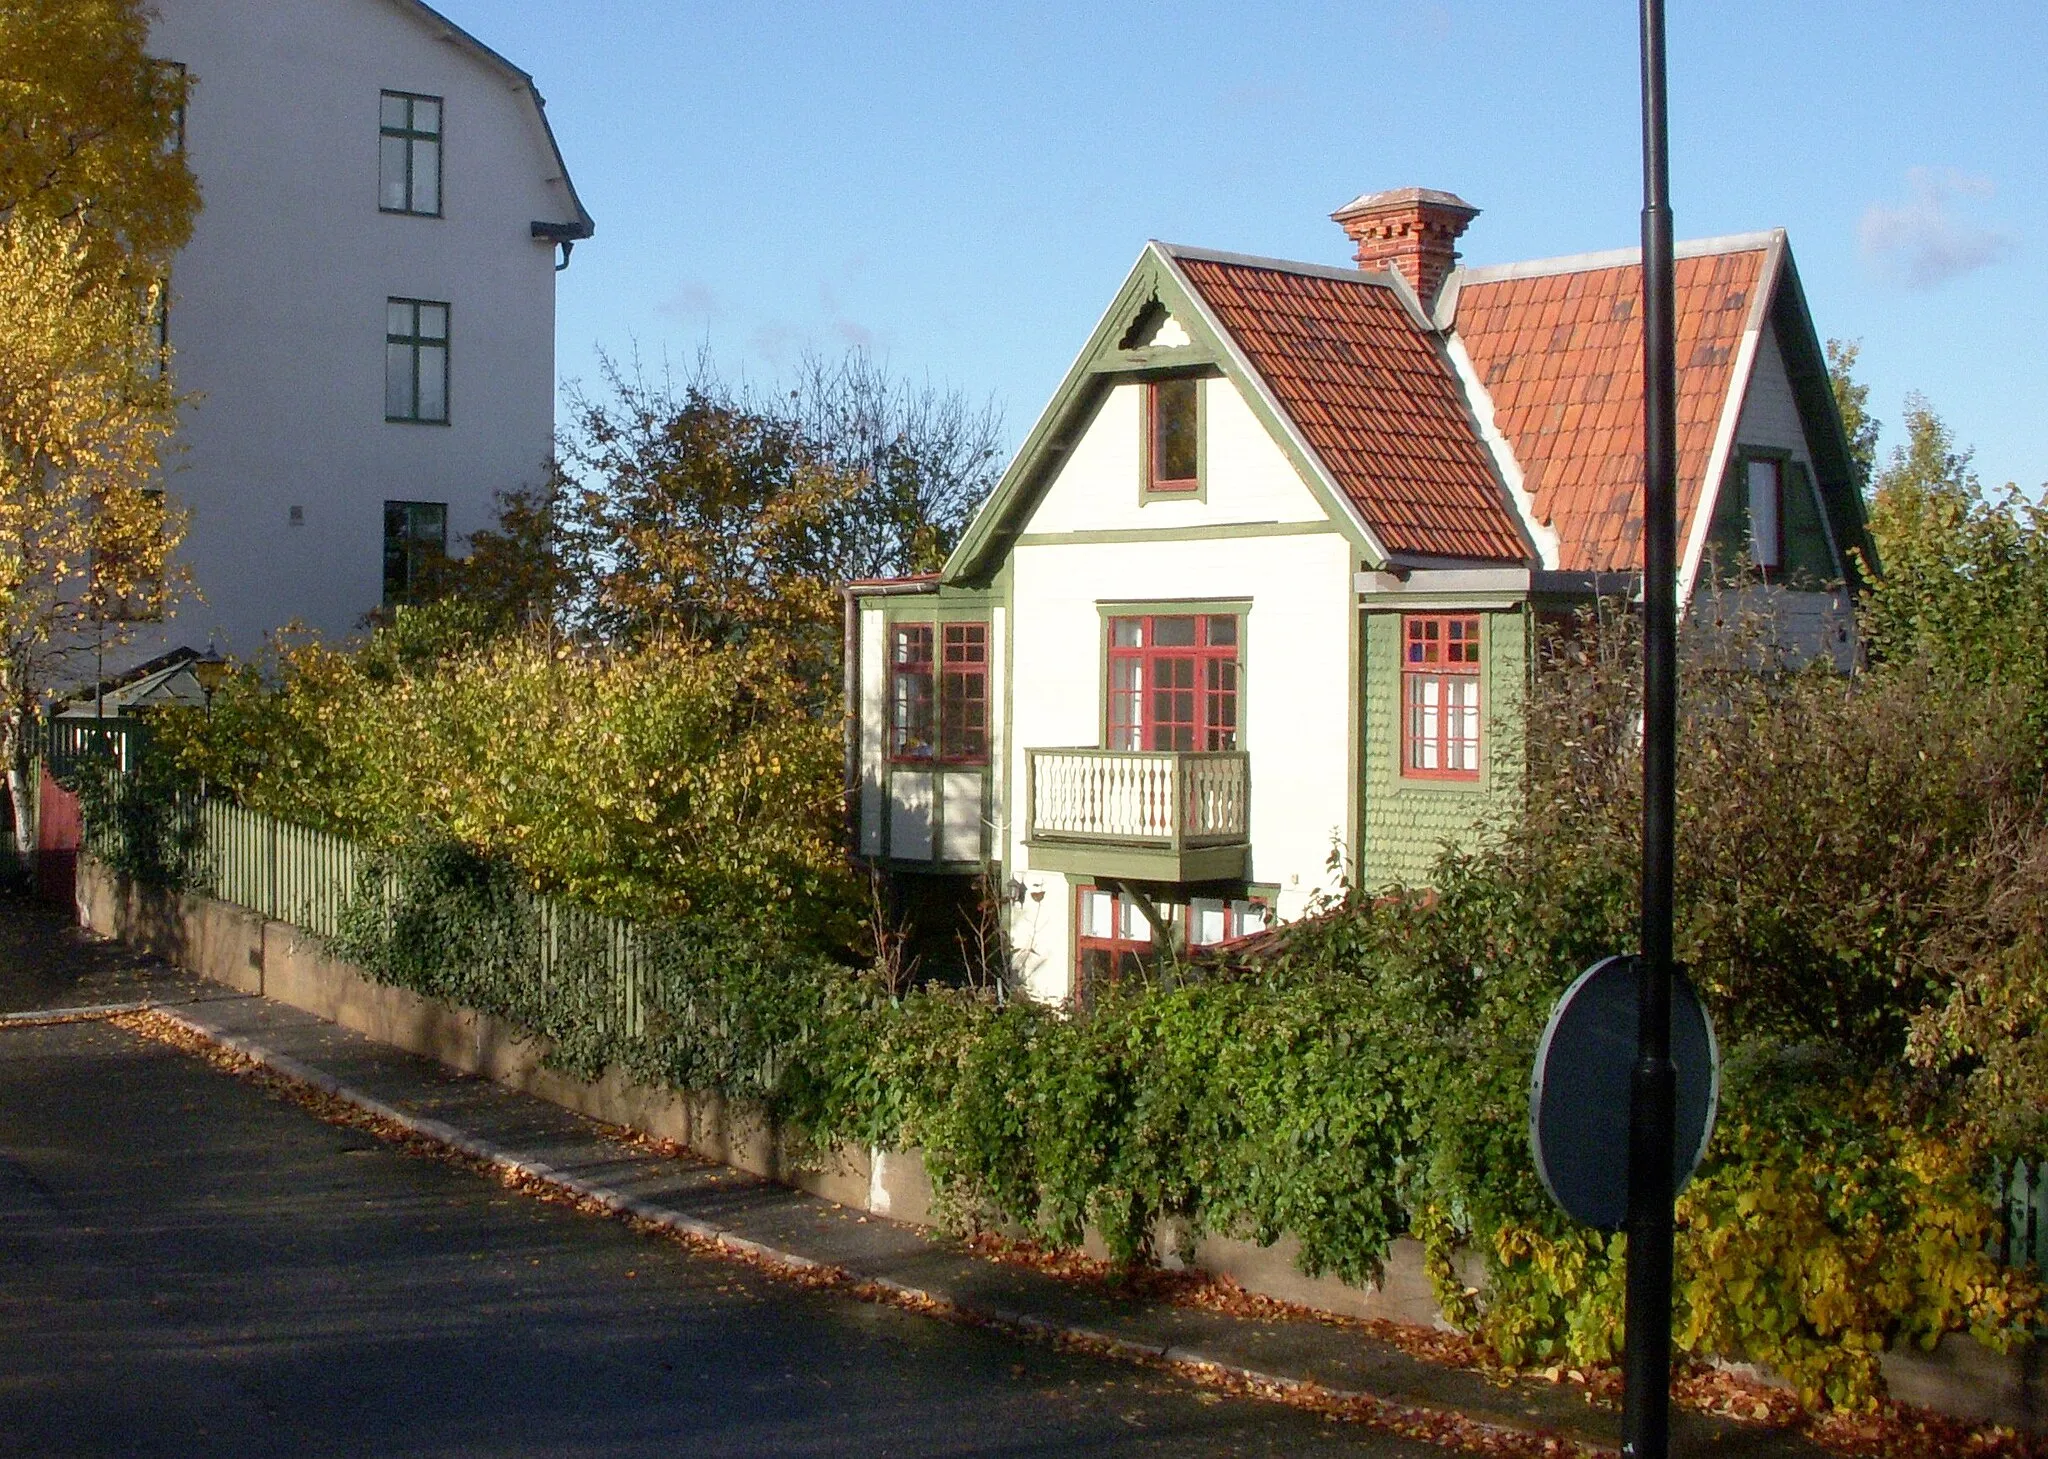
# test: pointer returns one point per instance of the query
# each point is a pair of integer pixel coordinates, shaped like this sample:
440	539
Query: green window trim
417	350
409	170
1806	558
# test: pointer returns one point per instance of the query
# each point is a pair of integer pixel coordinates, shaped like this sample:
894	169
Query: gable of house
1339	369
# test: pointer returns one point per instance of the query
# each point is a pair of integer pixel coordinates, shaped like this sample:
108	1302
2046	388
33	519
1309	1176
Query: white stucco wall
1250	479
1296	647
278	303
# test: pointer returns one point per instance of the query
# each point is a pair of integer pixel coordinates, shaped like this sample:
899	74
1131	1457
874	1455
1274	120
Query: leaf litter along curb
1446	1429
1895	1431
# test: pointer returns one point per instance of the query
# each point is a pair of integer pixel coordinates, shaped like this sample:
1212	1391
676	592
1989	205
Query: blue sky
962	187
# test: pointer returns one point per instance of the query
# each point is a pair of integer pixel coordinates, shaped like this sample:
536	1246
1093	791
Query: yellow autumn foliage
668	781
87	416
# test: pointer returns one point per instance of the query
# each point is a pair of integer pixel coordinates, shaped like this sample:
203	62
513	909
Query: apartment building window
1440	696
1173	682
409	154
939	709
415	544
416	361
172	75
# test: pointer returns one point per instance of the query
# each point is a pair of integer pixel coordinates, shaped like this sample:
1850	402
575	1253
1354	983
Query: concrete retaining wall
247	952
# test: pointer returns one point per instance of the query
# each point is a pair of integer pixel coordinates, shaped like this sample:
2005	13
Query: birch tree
95	198
86	416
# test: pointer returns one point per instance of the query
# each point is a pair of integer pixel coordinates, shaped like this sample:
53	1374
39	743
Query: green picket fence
597	964
288	873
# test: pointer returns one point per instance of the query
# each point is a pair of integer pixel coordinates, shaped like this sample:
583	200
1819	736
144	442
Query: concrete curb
34	1016
1188	1364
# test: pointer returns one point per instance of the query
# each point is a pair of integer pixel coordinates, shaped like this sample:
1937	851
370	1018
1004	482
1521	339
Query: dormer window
1173	435
1767	514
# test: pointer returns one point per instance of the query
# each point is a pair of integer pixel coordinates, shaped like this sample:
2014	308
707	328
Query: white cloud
1922	242
692	299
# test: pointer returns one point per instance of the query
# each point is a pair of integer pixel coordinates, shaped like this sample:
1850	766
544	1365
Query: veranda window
939	710
963	693
1173	682
1440	696
1112	939
1224	919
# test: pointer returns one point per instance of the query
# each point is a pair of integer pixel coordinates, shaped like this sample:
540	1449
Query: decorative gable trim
1112	354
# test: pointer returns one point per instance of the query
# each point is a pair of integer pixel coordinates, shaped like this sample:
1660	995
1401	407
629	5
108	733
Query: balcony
1156	815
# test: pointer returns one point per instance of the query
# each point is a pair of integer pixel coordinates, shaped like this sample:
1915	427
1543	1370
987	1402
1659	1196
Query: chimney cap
1401	198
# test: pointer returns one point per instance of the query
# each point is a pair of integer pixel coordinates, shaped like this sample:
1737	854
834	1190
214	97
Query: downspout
849	715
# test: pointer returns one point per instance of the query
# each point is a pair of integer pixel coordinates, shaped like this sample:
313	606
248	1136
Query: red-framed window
939	710
1173	453
1173	682
911	705
1113	938
1440	696
963	693
1212	920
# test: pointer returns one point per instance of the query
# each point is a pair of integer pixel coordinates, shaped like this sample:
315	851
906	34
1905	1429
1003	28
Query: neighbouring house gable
1557	348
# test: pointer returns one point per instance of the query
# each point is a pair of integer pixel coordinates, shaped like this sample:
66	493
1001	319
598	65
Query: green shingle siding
1408	822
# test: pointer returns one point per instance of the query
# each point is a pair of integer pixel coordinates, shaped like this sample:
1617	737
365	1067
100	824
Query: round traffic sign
1579	1093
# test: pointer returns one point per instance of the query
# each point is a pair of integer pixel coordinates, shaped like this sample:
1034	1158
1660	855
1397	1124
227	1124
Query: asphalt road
192	1266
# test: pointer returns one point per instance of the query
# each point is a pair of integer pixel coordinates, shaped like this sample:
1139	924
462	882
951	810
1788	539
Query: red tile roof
1561	354
1371	393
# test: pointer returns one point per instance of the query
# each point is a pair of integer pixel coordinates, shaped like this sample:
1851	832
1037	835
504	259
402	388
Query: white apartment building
365	314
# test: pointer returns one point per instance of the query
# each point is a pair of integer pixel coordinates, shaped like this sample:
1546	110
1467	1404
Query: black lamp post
1646	1399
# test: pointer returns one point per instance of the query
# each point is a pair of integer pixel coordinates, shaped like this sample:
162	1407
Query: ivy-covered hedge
1356	1087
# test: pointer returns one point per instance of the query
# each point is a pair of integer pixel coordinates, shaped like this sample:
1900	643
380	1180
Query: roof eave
582	225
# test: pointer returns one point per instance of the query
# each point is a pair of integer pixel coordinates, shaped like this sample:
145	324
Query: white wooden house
1250	609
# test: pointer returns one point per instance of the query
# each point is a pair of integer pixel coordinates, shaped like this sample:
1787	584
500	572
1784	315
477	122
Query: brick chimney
1411	228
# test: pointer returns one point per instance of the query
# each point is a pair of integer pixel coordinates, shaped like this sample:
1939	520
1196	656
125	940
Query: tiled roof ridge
1341	273
1574	263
